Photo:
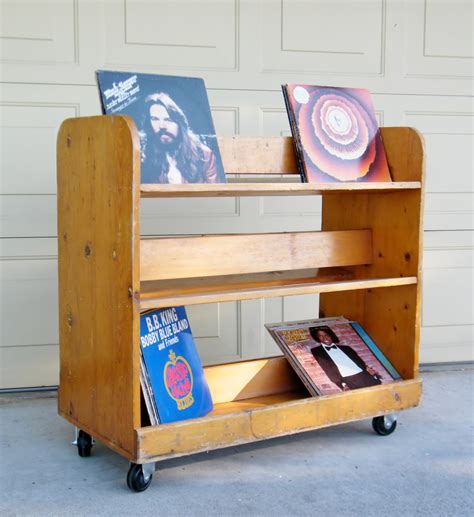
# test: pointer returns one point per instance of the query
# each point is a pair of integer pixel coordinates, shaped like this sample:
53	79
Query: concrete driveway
425	468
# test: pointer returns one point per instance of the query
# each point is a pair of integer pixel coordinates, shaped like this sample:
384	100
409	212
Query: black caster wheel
84	444
138	478
384	425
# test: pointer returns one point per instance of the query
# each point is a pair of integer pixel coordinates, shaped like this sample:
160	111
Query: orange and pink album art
336	134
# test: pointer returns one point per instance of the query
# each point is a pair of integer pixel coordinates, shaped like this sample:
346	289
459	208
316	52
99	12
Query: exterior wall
415	56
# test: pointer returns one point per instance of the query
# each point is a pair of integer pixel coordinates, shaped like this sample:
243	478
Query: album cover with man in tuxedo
332	355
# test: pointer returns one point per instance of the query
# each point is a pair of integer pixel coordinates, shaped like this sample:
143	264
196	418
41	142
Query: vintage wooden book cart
365	263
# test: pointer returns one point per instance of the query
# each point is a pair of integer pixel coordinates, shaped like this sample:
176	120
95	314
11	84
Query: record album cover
335	134
171	370
332	355
178	141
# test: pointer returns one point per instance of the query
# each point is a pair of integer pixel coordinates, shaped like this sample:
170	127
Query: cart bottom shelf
260	418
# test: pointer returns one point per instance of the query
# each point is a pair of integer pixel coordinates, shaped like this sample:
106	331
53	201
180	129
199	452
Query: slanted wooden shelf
365	263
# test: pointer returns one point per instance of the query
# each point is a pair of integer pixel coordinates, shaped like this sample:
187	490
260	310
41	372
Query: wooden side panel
404	151
213	255
98	244
390	315
273	419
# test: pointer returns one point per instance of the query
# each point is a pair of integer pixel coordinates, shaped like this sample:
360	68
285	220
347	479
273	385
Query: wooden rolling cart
365	263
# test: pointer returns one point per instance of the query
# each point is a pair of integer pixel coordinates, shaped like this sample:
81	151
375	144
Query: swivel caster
84	444
384	425
139	476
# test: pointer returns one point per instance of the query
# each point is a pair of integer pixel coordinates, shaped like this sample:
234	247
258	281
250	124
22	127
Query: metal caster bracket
76	434
390	419
148	470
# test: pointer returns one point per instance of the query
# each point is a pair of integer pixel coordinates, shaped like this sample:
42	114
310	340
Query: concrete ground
425	468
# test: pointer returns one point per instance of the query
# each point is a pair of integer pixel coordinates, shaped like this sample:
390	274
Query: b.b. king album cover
177	383
332	355
177	137
335	134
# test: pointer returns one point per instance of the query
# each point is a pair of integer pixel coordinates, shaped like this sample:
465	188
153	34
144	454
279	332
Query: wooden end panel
258	155
214	255
404	149
250	379
391	316
392	320
98	245
268	421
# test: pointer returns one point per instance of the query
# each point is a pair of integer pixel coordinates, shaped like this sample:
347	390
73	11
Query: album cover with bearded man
178	141
335	134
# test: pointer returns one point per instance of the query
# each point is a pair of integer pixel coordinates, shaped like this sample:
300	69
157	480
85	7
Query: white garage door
416	58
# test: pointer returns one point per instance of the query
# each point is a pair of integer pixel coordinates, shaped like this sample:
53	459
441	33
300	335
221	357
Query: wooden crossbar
212	255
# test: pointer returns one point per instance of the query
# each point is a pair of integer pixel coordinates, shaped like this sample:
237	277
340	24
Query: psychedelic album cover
335	134
172	367
332	355
178	141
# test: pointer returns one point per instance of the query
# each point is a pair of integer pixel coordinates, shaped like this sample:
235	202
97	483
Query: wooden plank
201	285
269	189
239	405
98	246
390	316
257	155
336	409
264	419
404	149
155	300
275	155
249	379
214	255
236	285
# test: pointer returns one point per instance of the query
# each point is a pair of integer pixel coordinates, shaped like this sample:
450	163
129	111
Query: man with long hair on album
171	151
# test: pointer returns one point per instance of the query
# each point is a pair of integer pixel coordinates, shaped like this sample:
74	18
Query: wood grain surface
391	316
269	416
214	255
98	247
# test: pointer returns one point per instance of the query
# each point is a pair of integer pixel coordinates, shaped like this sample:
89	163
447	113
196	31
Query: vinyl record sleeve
178	141
350	361
148	394
175	373
335	133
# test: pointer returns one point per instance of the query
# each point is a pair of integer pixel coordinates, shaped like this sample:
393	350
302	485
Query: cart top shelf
256	161
270	189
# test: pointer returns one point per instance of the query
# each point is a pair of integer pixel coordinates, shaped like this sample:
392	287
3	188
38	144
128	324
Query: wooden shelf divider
271	189
192	291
